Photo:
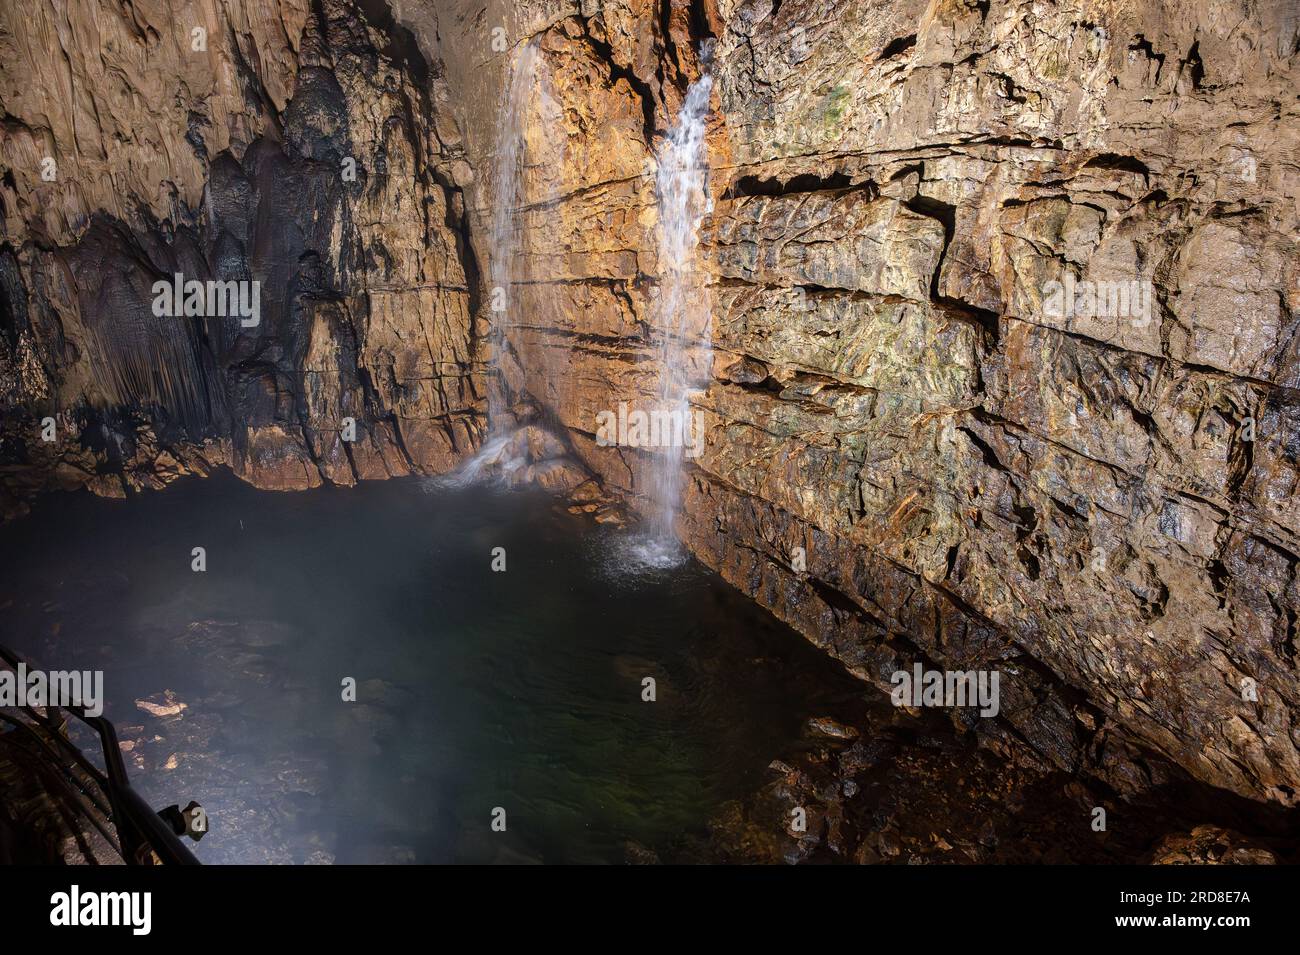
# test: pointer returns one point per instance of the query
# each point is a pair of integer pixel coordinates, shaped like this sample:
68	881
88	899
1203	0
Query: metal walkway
87	799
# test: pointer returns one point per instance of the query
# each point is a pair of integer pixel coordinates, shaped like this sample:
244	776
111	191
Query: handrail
140	830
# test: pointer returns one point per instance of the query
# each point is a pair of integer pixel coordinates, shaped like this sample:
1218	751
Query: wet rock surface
1097	501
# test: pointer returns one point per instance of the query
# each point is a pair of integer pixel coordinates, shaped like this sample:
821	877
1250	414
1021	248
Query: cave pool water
476	689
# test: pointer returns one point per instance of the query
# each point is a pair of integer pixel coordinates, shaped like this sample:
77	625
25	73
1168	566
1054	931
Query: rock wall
293	144
1101	507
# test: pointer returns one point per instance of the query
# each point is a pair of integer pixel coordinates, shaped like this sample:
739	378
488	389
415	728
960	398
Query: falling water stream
511	149
682	309
526	92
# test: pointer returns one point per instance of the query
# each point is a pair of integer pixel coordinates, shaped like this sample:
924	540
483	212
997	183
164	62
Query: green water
476	690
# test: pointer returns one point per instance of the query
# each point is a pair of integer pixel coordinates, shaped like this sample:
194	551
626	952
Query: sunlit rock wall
1100	505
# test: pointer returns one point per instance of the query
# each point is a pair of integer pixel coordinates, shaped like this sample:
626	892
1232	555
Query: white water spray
511	150
525	99
682	307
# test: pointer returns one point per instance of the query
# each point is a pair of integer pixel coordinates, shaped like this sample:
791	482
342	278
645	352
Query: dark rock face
334	196
1097	502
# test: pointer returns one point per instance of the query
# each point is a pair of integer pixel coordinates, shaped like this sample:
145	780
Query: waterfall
525	93
511	154
682	308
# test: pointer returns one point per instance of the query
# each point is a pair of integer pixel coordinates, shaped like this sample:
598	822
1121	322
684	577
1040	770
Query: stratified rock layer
1100	506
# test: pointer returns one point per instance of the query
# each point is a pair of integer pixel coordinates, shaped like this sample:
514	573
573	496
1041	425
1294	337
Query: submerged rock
162	705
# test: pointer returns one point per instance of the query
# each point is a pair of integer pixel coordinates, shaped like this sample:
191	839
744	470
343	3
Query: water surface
476	689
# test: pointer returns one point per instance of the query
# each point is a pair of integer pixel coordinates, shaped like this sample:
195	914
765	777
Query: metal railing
143	837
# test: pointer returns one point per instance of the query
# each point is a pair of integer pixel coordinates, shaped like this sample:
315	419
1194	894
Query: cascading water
511	152
682	308
505	450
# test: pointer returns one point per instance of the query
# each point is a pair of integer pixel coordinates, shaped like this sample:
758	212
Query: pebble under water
475	689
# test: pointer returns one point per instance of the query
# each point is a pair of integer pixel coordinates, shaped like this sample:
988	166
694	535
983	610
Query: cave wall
1113	498
294	144
1102	509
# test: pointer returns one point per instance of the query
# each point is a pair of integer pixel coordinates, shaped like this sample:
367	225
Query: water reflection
474	689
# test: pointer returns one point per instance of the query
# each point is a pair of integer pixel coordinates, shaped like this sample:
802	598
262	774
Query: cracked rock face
1096	500
290	144
1005	309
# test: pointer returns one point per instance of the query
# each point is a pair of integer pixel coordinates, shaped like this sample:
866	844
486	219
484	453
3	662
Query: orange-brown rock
1101	506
